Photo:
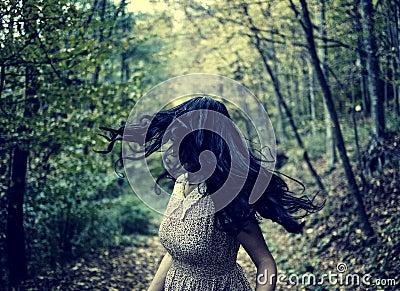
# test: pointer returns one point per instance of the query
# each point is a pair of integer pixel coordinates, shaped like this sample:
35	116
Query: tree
355	16
17	264
54	91
323	54
264	56
243	28
375	84
307	25
15	234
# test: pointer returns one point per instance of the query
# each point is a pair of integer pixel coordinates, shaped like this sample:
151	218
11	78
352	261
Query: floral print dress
203	258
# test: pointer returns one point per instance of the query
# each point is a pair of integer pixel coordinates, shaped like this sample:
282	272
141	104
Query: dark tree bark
15	236
281	126
306	92
126	27
17	265
375	84
330	137
394	28
102	12
311	94
305	22
362	59
263	54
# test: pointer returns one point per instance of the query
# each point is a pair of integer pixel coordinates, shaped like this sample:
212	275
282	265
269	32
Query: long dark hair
232	157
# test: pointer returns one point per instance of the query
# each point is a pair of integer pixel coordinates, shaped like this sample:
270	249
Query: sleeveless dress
203	258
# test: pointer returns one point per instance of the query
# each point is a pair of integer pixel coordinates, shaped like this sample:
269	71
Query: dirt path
129	268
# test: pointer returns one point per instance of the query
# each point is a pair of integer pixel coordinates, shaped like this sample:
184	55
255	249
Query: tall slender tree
305	21
48	57
264	56
375	83
323	53
355	16
15	236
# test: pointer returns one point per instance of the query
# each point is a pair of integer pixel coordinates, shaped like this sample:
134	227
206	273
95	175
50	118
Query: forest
327	73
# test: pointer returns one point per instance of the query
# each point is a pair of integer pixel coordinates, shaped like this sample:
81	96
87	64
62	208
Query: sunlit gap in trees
152	6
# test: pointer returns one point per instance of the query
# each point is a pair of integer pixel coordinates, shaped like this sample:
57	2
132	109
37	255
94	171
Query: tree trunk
17	265
323	52
283	103
15	236
296	90
103	6
395	60
281	134
304	69
311	93
351	181
361	61
366	101
375	84
292	124
396	89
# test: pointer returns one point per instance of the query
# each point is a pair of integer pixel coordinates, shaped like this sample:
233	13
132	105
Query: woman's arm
159	278
253	242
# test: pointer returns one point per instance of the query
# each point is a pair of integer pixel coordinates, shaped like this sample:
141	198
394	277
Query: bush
134	217
72	223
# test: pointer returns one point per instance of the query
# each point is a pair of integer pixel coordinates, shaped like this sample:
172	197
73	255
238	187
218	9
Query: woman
209	215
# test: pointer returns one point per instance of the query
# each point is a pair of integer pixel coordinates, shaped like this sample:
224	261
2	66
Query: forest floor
122	268
331	239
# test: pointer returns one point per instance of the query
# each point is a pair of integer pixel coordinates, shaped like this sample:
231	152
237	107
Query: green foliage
68	67
133	216
81	220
